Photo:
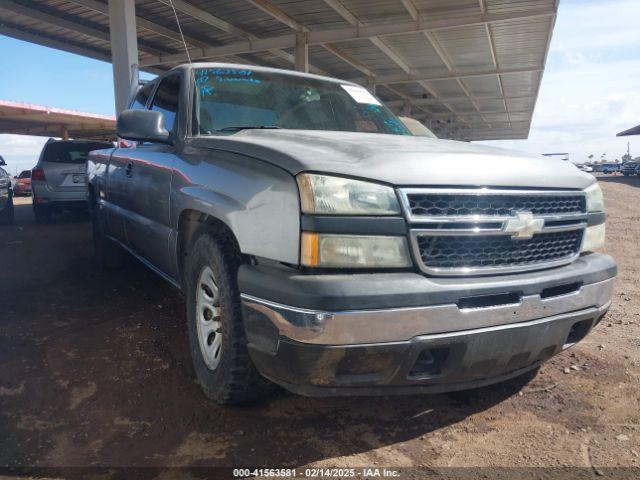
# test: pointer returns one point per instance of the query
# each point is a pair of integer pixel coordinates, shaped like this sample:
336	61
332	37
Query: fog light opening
429	363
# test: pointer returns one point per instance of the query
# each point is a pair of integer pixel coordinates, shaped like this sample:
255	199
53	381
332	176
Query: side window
140	102
166	99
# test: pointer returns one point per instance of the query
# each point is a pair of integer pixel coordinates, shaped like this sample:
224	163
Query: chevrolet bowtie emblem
523	225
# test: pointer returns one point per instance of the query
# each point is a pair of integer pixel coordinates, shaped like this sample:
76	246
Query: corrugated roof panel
483	86
370	55
447	88
521	44
511	6
437	9
490	105
417	51
314	14
520	84
468	47
378	11
320	57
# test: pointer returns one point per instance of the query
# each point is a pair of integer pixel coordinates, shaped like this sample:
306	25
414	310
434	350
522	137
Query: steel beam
124	48
302	53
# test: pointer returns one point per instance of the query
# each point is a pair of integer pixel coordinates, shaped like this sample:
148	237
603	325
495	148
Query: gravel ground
95	372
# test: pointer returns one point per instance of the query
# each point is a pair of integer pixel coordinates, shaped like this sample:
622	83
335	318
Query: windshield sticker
360	95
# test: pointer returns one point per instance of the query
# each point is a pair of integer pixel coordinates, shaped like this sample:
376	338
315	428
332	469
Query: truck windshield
230	99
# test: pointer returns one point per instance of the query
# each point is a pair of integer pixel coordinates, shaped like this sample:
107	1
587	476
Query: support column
124	48
302	53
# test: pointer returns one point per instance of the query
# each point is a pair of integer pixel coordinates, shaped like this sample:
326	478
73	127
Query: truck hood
399	160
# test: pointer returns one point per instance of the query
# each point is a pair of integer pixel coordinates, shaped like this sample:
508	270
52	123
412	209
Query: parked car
6	196
322	247
630	168
58	179
610	168
22	184
585	168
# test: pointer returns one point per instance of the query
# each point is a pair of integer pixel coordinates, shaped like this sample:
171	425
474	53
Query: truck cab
323	248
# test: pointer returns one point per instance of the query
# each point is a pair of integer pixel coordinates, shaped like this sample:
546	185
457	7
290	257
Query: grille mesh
443	205
485	251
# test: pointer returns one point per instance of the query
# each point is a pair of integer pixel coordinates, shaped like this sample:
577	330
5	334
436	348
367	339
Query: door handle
128	169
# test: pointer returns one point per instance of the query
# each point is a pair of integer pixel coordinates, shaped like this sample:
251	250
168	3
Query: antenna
175	14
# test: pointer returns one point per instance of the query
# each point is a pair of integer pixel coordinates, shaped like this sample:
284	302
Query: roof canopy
470	69
631	131
28	119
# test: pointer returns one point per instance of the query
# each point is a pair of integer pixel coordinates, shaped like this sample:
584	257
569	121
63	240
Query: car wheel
42	213
7	214
216	332
109	254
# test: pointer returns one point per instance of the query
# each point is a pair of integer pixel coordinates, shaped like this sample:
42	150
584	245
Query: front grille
496	251
465	205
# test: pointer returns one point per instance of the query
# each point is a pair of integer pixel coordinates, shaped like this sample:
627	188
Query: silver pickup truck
322	247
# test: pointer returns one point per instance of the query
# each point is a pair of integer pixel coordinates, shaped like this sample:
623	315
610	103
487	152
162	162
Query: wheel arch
192	223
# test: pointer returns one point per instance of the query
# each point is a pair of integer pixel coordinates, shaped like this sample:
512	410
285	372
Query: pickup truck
323	248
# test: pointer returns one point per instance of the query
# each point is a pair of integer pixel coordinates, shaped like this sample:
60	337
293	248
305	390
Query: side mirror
142	126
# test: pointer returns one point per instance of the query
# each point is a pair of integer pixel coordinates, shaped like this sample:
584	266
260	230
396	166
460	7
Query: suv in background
631	168
58	179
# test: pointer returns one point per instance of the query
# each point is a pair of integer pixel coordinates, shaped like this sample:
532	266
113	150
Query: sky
590	89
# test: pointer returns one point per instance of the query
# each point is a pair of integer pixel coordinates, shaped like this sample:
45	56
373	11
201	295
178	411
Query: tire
109	255
7	215
42	214
221	360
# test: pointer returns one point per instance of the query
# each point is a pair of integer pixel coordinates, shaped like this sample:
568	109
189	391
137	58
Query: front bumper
410	333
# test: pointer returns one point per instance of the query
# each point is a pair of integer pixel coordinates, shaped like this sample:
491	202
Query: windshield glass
71	152
229	99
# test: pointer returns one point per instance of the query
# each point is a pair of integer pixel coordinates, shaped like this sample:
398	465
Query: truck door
148	169
119	187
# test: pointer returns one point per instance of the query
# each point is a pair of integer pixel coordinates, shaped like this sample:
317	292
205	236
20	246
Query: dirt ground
95	372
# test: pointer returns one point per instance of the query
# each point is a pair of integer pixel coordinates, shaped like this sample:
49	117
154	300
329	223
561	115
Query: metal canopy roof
470	69
28	119
632	131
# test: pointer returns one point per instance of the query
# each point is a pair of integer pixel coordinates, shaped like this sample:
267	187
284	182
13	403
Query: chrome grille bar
550	224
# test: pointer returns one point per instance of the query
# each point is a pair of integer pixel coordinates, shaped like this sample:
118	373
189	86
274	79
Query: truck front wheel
216	333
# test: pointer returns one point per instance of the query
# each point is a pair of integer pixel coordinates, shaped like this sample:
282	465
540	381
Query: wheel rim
208	318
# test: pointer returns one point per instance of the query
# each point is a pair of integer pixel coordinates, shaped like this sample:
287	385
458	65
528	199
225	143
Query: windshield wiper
246	127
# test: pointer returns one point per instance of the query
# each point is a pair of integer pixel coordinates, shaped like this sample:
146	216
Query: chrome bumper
349	327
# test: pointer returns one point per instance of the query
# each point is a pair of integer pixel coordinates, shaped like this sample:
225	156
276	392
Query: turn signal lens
353	251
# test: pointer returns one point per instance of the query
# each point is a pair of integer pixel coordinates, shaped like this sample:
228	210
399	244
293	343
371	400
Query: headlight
326	195
595	200
353	251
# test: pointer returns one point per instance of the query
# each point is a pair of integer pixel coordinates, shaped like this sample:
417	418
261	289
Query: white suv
58	179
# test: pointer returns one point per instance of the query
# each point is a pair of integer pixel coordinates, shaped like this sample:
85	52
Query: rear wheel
7	214
216	333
